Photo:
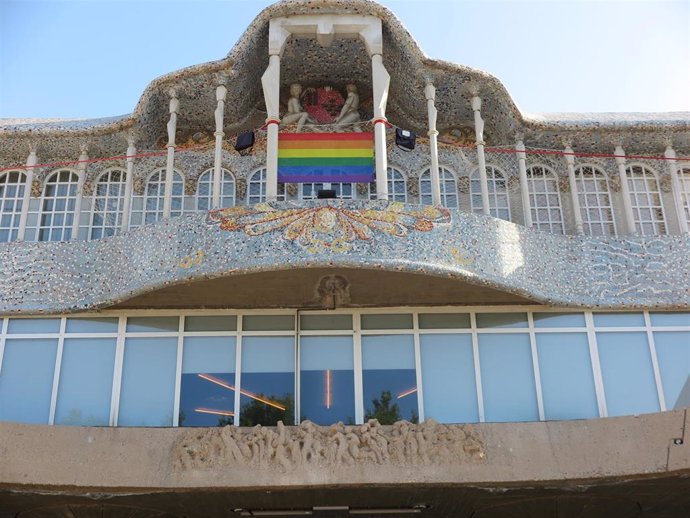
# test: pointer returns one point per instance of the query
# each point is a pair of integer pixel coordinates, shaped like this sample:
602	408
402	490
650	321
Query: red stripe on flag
325	136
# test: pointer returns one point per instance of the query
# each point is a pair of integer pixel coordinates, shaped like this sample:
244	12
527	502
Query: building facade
495	323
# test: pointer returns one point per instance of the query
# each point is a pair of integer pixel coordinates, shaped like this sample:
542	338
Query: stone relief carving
289	447
464	184
139	185
36	188
87	188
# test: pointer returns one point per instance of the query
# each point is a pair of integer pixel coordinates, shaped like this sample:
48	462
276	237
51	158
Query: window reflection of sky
401	384
278	388
199	395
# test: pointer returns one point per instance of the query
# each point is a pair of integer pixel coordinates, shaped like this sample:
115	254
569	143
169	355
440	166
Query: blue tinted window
504	320
619	320
507	377
26	380
210	323
387	321
626	367
33	325
91	325
670	319
450	390
389	378
148	382
268	380
86	381
567	381
559	320
207	387
327	379
673	353
153	324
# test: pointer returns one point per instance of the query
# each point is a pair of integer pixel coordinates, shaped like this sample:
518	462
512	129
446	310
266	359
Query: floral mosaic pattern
328	227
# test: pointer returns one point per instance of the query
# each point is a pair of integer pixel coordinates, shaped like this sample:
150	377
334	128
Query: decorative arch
594	195
58	201
12	185
645	197
545	199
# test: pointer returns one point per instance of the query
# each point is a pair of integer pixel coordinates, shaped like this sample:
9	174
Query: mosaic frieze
574	271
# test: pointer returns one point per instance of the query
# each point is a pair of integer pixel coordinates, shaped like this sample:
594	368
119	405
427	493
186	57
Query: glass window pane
673	353
567	381
387	321
444	321
327	380
670	319
626	367
268	322
207	390
33	325
152	324
559	319
26	380
211	323
507	377
325	322
91	325
505	320
86	381
619	320
389	378
450	391
268	380
148	382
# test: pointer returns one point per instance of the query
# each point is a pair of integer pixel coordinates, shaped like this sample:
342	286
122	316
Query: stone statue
296	113
349	114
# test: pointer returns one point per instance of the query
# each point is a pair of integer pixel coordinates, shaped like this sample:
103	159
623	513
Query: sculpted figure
296	113
350	110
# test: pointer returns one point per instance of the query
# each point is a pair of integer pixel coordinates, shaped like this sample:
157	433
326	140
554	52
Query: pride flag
326	157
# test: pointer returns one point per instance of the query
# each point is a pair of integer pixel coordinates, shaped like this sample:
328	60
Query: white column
676	189
574	197
271	85
31	161
169	170
129	180
221	93
479	135
380	82
81	167
625	191
430	94
524	186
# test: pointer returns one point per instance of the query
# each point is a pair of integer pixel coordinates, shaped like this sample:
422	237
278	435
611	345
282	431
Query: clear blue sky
77	59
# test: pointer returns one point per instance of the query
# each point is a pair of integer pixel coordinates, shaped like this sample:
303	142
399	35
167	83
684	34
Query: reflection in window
11	199
327	379
449	188
390	382
268	380
343	191
207	389
673	352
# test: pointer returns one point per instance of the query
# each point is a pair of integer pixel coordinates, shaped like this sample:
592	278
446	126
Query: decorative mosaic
568	271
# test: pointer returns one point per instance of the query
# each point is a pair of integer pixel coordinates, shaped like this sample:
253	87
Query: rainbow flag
326	157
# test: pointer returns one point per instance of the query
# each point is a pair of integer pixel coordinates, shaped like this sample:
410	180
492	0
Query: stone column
574	197
625	191
81	167
381	82
524	185
169	165
430	94
271	85
129	181
676	189
479	135
221	93
31	162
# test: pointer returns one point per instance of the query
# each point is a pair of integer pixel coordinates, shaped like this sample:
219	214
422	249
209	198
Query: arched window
108	203
57	206
449	188
544	199
645	196
343	191
594	195
397	186
257	188
684	181
499	203
204	190
11	199
154	196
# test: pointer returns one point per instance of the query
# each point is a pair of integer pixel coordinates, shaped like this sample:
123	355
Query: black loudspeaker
405	139
325	194
244	142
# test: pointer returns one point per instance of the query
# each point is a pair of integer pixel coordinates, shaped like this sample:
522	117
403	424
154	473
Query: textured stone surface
557	270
